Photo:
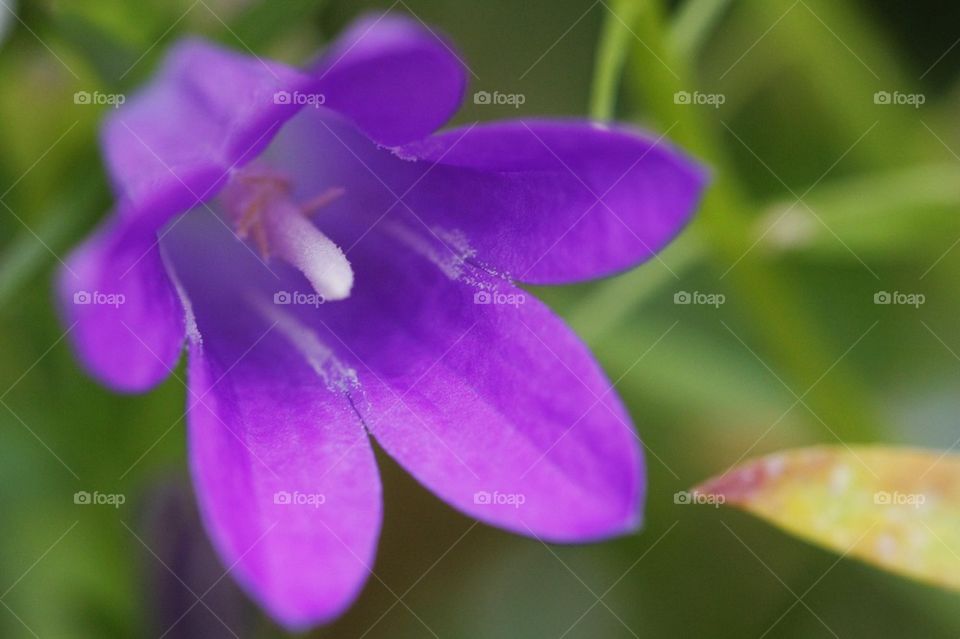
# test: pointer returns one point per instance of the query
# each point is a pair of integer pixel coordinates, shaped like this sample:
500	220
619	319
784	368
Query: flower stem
692	26
611	56
790	342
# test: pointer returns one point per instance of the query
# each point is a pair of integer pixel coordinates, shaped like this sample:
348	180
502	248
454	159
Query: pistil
259	202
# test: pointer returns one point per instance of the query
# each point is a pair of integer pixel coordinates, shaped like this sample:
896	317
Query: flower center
260	205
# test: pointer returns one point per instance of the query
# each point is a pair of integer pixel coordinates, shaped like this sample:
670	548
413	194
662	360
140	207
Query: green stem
790	343
611	303
611	56
694	22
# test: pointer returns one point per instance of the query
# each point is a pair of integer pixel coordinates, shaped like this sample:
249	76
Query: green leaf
883	215
105	53
263	23
893	507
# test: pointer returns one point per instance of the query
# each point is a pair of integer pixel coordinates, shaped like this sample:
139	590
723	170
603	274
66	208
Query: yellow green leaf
897	508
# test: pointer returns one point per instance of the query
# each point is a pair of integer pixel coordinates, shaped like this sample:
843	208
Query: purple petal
483	394
167	149
393	77
284	470
554	202
499	412
127	319
210	109
471	398
207	110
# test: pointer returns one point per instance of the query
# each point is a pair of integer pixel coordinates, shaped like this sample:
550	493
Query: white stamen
258	201
293	238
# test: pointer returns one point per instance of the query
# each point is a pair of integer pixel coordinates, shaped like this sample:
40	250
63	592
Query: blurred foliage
821	200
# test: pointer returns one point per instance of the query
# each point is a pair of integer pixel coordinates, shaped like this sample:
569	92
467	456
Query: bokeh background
822	199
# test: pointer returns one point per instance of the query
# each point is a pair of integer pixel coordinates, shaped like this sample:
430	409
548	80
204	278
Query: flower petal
483	394
393	77
283	467
207	110
551	202
500	410
473	398
211	109
127	319
168	149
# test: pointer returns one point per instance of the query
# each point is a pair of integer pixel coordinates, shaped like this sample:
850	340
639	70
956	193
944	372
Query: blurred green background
822	199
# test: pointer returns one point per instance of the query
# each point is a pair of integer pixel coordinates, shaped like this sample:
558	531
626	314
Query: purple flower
339	271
